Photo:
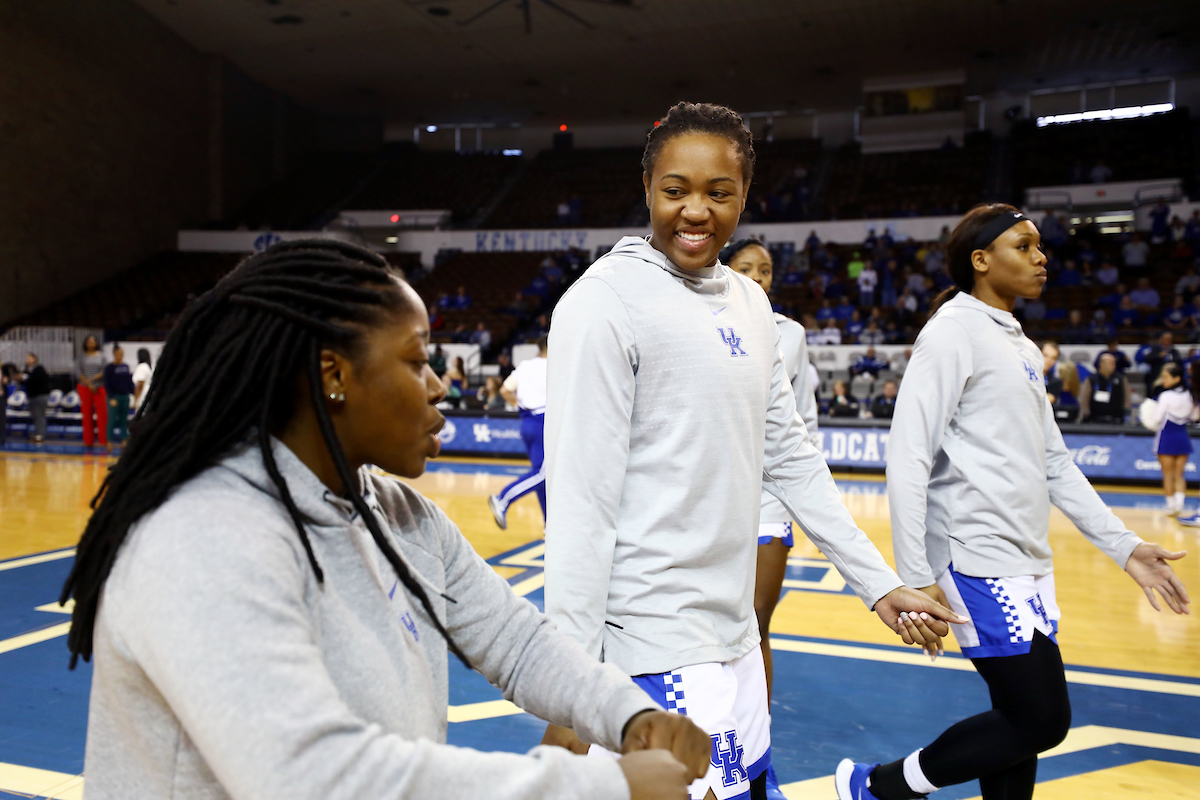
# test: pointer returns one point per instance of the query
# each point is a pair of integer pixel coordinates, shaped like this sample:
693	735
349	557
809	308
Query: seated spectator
835	287
900	361
435	318
1035	310
1145	297
1126	315
868	364
481	336
868	279
842	404
843	311
813	243
1104	397
1075	330
462	300
1158	355
1100	329
854	327
443	301
1114	349
891	333
1107	275
1178	229
539	287
871	243
1086	276
489	394
811	329
1069	276
1052	230
935	259
437	361
1191	231
1179	318
539	328
884	406
831	333
825	312
871	334
517	308
793	277
914	282
1085	254
1100	173
1062	379
504	361
1135	252
1188	284
553	273
460	335
563	212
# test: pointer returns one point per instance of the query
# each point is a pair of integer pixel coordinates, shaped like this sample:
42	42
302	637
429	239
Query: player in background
775	538
975	459
668	411
526	389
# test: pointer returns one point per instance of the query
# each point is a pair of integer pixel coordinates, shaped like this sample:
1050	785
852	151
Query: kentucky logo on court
729	758
733	340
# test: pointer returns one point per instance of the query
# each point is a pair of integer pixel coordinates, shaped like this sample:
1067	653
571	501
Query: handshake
662	753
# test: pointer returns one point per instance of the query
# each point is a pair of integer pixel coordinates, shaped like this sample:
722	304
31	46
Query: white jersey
528	381
1175	405
793	346
143	372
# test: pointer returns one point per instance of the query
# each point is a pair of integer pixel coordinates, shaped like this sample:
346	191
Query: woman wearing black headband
974	461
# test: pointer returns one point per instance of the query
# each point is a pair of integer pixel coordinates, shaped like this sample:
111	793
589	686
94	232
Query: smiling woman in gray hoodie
270	619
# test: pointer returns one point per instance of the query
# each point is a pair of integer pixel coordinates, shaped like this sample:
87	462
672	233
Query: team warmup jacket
793	347
223	669
668	410
975	458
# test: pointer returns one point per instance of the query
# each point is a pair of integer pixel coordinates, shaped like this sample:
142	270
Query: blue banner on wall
490	435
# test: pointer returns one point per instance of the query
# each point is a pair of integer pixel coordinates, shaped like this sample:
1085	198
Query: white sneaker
497	512
1190	520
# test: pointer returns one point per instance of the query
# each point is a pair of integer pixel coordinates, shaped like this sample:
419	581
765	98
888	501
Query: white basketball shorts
1004	612
729	701
775	530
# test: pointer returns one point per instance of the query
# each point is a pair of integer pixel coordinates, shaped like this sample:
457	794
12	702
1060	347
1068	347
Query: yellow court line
529	585
40	783
34	637
917	658
1086	737
471	712
42	558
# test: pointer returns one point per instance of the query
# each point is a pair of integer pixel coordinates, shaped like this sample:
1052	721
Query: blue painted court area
826	706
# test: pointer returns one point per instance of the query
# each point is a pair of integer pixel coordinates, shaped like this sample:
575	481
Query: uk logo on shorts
1036	605
733	341
728	759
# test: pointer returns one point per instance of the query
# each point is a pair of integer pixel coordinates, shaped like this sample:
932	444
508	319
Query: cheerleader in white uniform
1172	443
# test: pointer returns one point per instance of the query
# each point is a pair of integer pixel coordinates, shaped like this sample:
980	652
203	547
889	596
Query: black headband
996	227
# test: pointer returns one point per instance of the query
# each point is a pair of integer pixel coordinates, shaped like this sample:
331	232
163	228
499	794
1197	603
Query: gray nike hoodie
668	411
224	670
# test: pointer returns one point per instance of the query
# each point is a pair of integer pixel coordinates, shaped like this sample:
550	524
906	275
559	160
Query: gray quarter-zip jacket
223	669
793	347
975	458
668	411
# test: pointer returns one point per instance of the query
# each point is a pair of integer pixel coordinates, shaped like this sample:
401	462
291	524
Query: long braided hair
226	376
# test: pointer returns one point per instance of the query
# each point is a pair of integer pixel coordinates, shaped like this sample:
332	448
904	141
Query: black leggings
1030	714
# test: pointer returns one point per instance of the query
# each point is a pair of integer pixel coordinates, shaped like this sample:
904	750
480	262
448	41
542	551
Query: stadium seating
303	201
607	182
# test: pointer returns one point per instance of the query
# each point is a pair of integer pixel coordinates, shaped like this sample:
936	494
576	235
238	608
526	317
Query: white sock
914	777
1179	501
1170	503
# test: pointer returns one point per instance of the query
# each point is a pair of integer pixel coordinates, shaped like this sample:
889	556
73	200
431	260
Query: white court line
40	783
42	558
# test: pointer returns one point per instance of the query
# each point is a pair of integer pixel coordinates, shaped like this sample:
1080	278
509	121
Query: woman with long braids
975	460
668	412
269	619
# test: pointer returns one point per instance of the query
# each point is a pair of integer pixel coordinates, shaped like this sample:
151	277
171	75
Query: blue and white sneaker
1190	520
773	791
850	780
497	512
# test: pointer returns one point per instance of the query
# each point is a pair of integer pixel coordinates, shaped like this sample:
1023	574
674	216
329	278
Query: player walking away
526	389
974	461
270	618
668	411
752	259
1172	444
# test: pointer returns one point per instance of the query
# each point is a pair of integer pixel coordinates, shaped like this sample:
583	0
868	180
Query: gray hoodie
793	346
224	670
668	411
975	458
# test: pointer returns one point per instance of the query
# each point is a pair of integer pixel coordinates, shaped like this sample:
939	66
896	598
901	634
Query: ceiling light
1129	112
431	128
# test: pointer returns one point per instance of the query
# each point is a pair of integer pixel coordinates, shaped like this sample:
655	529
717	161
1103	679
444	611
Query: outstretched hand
918	617
1148	566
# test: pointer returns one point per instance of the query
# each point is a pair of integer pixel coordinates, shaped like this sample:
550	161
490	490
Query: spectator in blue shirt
854	327
1075	330
1085	254
1100	329
118	386
1178	318
843	311
868	363
462	300
1160	222
1069	276
1126	315
1108	274
1145	297
825	312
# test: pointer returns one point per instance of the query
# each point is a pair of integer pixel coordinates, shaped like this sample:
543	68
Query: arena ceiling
416	60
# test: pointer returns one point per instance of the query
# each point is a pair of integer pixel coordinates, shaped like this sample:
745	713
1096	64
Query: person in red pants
93	402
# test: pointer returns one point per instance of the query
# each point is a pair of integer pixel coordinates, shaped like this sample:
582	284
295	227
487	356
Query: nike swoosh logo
719	310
